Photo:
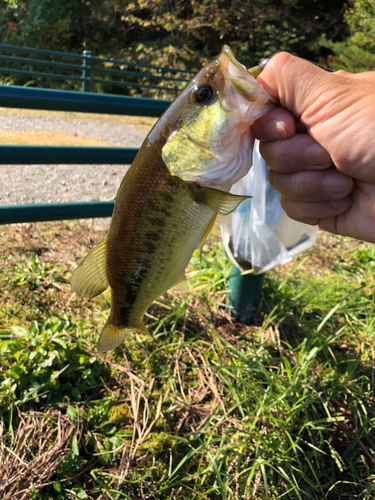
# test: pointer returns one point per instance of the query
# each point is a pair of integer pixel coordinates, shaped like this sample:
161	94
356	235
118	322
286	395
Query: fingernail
337	183
317	155
275	130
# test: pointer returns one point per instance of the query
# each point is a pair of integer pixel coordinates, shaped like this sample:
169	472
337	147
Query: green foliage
48	23
32	283
212	268
169	33
34	274
361	22
356	53
43	364
40	23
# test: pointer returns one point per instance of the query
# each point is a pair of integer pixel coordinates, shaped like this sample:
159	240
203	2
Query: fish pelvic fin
206	232
90	277
181	283
221	202
112	336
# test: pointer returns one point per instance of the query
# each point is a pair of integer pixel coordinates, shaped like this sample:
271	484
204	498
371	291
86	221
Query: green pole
86	65
245	292
10	214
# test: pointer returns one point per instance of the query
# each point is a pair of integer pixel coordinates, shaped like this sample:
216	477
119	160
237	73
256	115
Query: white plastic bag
259	234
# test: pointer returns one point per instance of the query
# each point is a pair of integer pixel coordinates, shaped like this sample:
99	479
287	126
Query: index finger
299	152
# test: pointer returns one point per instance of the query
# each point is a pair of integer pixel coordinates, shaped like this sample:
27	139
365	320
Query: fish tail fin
112	336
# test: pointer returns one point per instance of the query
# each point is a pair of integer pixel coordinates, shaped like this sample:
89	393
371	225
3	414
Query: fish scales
169	198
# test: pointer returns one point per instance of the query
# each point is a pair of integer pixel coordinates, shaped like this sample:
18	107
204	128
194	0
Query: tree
173	31
357	52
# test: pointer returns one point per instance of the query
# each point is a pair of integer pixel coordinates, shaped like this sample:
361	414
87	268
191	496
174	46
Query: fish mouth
237	74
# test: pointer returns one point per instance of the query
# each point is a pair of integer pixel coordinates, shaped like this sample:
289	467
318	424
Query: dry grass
40	445
139	122
49	138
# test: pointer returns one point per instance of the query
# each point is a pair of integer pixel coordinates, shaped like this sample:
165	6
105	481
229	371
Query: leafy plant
35	274
44	364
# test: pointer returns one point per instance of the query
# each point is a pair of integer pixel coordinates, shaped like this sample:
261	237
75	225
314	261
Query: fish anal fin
181	283
221	202
90	277
206	232
141	327
112	336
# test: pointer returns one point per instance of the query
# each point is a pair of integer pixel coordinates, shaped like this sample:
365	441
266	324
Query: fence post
86	65
245	292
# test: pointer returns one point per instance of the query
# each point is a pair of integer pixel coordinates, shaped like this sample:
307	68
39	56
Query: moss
157	444
120	414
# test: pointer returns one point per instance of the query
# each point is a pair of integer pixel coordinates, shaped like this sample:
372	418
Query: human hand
324	119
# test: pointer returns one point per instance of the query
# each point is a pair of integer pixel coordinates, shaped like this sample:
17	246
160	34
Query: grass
205	408
50	138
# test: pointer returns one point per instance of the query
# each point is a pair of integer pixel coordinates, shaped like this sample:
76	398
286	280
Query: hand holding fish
320	145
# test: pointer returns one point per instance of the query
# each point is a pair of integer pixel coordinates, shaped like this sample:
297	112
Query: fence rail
67	155
65	100
90	69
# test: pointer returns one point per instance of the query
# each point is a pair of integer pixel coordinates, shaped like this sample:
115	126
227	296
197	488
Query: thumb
301	87
336	109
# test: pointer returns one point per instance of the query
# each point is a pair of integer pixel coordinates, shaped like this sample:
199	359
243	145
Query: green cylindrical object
66	155
244	295
86	65
81	102
10	214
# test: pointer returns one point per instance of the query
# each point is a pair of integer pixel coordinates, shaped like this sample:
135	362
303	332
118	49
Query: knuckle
300	185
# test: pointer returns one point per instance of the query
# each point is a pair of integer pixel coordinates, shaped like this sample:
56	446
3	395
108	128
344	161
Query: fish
169	198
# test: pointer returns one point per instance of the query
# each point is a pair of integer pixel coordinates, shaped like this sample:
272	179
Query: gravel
21	184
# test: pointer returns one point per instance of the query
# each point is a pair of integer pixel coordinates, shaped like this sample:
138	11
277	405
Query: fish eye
203	93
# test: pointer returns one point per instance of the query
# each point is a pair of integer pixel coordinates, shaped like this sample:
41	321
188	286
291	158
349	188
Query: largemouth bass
169	198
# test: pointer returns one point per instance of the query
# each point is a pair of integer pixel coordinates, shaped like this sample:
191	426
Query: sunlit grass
141	122
49	138
205	407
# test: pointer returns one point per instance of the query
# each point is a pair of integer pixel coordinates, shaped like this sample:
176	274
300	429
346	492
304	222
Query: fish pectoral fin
181	283
221	202
90	277
112	336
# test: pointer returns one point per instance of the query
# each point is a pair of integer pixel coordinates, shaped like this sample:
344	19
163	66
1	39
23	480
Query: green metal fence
89	70
57	100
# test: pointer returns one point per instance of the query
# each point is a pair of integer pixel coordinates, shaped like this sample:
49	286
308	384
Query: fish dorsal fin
221	202
181	283
206	232
90	277
112	336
